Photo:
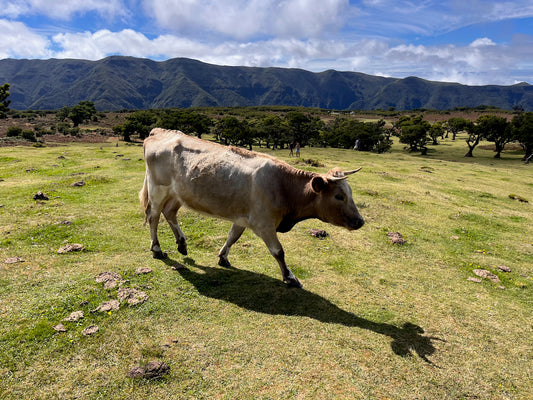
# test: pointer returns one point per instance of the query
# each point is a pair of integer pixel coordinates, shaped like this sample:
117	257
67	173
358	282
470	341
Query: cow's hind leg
155	247
234	234
274	246
170	212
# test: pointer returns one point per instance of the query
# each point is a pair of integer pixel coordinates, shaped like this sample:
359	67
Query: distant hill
116	83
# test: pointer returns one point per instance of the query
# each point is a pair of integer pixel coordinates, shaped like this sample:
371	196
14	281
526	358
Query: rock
90	330
40	196
177	266
64	222
472	279
318	233
504	268
61	157
13	260
132	296
71	247
454	237
109	279
152	370
78	184
143	270
483	273
396	238
59	328
111	305
74	316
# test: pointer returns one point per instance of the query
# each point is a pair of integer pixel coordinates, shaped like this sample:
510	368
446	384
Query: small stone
40	196
454	237
318	233
504	268
74	316
143	270
13	260
476	280
78	184
59	328
70	248
90	330
177	266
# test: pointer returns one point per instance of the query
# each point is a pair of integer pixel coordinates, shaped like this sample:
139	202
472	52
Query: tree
436	131
189	122
4	103
233	131
413	131
456	125
495	129
523	132
302	128
140	122
82	112
273	130
343	132
474	136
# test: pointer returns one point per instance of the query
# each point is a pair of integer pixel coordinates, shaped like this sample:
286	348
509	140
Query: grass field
374	320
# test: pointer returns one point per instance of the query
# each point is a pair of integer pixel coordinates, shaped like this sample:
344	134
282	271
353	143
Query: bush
29	135
14	131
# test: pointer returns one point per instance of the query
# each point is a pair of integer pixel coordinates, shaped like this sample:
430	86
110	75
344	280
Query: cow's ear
318	184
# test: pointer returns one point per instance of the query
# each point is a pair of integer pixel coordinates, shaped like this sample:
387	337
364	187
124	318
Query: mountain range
117	82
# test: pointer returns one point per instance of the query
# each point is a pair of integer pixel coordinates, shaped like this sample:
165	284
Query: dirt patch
109	279
111	305
13	260
74	316
71	248
396	238
131	296
152	370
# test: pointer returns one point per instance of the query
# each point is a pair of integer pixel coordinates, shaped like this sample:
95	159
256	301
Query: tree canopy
4	103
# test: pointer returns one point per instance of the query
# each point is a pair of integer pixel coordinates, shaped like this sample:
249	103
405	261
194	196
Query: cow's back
207	177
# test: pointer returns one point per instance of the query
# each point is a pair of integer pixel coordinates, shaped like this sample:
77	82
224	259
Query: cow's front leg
274	246
234	234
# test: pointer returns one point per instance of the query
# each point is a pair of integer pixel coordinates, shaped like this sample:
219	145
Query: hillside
116	83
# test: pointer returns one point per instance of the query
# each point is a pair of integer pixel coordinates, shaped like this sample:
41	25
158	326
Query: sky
474	42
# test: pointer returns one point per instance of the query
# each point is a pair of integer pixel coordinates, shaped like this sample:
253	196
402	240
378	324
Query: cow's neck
302	201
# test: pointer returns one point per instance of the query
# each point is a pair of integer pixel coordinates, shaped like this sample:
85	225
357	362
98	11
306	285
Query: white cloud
18	41
62	10
246	19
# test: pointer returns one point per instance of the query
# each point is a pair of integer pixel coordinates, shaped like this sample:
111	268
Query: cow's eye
339	197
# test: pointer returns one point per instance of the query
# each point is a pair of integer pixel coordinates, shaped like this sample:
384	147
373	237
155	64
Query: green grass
374	320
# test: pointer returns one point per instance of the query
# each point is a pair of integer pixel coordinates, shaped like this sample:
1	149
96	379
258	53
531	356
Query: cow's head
335	202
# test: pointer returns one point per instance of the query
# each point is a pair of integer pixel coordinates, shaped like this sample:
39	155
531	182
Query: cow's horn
353	172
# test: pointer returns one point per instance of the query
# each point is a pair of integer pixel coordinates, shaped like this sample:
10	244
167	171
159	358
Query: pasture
374	320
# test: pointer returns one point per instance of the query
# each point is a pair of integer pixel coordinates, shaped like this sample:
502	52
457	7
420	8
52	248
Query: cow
251	189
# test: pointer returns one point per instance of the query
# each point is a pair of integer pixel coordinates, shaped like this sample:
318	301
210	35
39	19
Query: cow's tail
143	197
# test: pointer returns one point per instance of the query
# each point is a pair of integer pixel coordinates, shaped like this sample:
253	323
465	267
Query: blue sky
473	42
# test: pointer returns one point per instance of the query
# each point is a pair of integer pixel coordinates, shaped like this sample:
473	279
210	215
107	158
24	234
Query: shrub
29	135
14	131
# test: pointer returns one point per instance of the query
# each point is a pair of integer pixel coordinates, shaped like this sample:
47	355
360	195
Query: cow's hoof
182	248
159	255
223	262
293	283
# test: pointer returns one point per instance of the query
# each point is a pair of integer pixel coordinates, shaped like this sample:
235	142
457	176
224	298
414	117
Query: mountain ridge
120	82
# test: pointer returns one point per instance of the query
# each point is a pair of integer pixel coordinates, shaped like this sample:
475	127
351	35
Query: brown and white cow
250	189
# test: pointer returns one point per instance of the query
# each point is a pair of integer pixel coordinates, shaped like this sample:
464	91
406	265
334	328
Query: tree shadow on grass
261	293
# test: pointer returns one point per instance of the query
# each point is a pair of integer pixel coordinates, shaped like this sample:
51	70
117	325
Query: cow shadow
261	293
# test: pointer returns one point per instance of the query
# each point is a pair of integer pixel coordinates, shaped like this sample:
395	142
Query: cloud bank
379	37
